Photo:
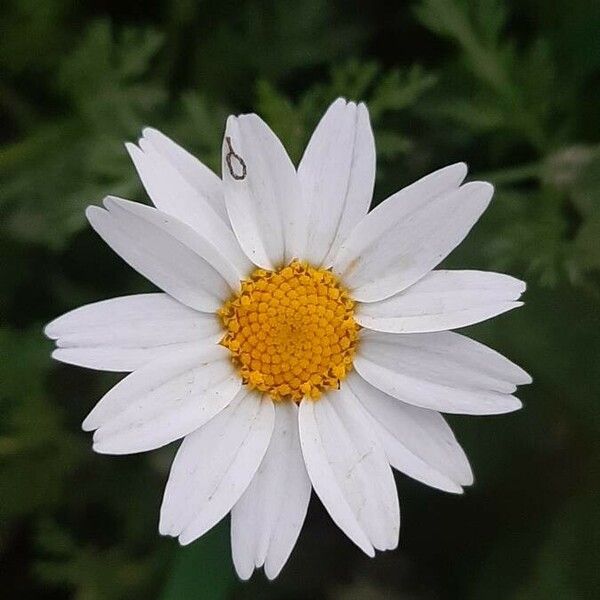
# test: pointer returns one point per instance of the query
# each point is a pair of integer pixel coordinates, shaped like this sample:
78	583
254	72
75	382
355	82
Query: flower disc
291	332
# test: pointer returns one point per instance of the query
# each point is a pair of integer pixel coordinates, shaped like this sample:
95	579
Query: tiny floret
291	332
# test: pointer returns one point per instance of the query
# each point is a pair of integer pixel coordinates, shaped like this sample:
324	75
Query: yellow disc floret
291	332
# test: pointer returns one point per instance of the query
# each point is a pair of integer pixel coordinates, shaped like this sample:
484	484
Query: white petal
417	441
442	371
406	236
161	168
140	319
118	360
443	300
198	176
163	401
262	192
214	466
123	334
266	521
349	470
337	175
167	252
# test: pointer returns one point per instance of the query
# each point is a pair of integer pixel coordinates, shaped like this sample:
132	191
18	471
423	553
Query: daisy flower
299	341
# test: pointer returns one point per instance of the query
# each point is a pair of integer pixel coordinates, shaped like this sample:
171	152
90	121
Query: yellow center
291	332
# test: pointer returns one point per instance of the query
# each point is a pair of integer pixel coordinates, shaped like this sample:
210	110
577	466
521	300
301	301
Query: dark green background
513	88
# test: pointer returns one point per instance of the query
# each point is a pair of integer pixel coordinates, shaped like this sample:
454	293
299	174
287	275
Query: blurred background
513	88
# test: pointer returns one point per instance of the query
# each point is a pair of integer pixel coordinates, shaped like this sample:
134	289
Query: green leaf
203	569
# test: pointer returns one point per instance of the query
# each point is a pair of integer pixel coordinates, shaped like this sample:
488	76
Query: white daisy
300	342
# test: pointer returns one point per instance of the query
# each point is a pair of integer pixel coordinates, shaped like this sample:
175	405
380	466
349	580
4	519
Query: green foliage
386	94
510	87
210	554
512	97
33	440
48	177
94	573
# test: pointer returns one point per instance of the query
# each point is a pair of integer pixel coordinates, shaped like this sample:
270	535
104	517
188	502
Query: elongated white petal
443	300
123	334
118	360
137	320
417	441
442	371
163	401
161	168
267	519
214	466
424	222
206	184
261	191
167	252
337	175
349	470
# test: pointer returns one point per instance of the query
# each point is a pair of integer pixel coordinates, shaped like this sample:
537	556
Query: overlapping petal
167	252
178	170
406	236
163	401
349	470
442	371
181	186
123	334
266	521
443	300
337	175
261	192
214	466
417	441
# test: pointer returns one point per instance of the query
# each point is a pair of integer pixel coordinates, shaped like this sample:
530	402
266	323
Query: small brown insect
228	158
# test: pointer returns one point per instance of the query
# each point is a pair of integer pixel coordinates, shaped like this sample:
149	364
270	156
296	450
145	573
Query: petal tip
98	448
186	539
486	188
51	330
112	202
393	545
93	212
369	551
513	405
526	380
148	131
57	354
163	529
88	424
133	150
244	573
272	573
363	112
166	526
469	477
459	169
102	445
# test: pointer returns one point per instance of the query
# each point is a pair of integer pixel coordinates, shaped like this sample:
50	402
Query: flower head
291	332
300	341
